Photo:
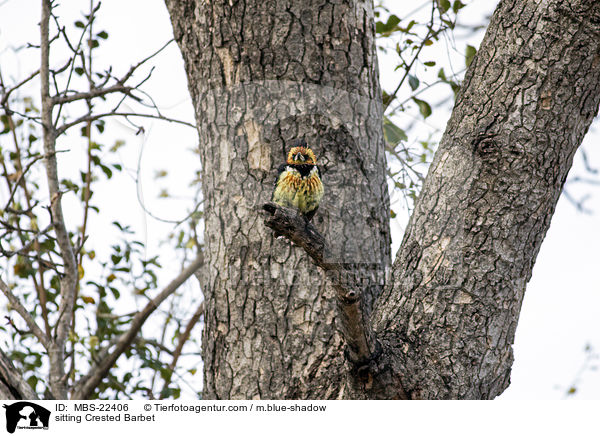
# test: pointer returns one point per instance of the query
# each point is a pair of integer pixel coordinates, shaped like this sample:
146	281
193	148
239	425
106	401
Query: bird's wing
279	171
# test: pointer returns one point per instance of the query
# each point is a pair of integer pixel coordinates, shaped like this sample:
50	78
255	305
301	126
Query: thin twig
182	340
21	310
430	34
89	118
20	179
17	86
143	61
25	248
84	388
92	93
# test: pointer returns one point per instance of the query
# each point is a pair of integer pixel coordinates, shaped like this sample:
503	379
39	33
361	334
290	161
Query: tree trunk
263	73
449	317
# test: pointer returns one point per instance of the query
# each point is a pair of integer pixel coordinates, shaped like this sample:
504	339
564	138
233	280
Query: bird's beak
299	156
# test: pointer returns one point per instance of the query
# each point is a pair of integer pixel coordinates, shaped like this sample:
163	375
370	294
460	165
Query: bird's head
301	155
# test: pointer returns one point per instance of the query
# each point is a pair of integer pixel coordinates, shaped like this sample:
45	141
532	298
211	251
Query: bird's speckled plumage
299	182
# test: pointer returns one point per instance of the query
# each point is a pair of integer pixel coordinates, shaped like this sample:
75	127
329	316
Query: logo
26	415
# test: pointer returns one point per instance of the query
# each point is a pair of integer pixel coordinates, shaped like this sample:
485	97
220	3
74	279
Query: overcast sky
561	310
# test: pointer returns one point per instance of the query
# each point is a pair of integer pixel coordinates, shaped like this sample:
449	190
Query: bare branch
20	179
90	118
17	86
356	329
182	340
12	383
21	310
143	61
86	385
23	115
68	281
25	248
94	92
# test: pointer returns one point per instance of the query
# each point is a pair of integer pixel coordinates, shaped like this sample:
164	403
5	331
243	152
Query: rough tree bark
262	73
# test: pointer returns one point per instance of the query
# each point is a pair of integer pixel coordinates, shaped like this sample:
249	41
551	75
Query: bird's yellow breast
302	193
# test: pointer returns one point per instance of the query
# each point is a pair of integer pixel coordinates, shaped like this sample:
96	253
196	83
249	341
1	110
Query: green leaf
5	124
444	5
470	54
442	75
106	170
392	22
115	292
102	35
79	24
392	133
79	71
413	81
387	27
424	107
429	63
386	98
457	6
449	23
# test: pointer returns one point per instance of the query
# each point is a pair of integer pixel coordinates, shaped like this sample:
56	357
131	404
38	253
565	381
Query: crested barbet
298	182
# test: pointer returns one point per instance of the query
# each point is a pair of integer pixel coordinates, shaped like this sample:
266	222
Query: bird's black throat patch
303	169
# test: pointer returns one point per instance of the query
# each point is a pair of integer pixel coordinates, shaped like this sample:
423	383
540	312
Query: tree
442	324
103	349
328	317
65	323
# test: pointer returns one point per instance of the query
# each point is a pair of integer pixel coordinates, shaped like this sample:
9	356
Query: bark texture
448	319
262	73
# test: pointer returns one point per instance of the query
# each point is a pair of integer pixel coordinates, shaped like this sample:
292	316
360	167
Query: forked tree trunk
263	73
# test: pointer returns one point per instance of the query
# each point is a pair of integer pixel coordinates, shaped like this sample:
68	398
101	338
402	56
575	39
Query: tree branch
68	282
9	91
89	118
182	340
92	93
21	310
12	384
86	385
356	329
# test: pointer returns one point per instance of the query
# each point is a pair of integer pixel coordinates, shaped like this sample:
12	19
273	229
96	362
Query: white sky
561	310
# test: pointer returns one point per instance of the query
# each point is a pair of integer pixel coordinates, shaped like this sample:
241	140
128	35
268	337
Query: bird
298	184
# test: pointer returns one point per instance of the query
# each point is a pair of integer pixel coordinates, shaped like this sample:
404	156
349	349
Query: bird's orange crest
301	155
